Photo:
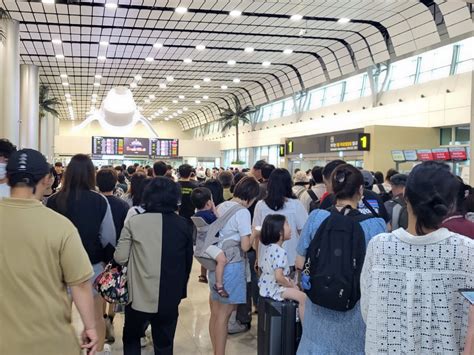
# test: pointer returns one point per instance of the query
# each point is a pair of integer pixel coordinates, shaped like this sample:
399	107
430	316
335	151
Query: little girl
274	282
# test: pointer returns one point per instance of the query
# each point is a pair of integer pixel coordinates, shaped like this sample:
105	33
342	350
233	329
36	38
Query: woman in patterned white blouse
410	279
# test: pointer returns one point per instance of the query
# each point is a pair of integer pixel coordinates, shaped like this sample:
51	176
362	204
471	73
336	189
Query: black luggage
278	331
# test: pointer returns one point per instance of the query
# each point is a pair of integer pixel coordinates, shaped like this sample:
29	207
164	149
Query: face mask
3	171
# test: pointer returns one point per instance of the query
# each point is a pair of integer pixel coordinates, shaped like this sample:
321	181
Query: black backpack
315	201
334	260
384	195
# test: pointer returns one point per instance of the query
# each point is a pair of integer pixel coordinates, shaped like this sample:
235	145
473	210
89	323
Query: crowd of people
61	225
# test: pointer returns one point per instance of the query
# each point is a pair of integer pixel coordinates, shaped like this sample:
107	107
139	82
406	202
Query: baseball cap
368	178
300	176
201	174
399	179
28	161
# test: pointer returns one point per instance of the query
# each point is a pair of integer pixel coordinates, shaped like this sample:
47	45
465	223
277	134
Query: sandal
221	291
202	279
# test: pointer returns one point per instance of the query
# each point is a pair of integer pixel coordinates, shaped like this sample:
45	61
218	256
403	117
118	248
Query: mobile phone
468	293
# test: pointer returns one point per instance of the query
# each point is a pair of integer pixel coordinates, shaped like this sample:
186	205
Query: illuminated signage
281	150
398	155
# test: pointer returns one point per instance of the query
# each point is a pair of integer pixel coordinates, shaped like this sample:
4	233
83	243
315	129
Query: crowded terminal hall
236	177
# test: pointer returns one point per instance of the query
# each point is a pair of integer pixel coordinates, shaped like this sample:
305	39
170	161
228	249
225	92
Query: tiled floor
192	335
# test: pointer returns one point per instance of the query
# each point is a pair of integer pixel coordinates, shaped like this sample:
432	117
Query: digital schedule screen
139	147
164	148
107	145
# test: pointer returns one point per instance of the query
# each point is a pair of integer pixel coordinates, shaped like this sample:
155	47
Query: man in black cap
42	255
397	206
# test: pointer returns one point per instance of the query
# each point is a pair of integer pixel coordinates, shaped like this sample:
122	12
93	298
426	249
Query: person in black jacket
91	214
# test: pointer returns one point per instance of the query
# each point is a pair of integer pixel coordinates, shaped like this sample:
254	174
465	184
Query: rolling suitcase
278	331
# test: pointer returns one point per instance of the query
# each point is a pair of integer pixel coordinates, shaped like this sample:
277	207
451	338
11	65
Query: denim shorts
98	268
234	283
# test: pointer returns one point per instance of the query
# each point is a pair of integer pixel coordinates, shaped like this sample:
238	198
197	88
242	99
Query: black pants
163	328
252	256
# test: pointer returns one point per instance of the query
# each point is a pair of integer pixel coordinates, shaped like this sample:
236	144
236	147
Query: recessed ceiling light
181	10
152	97
165	108
175	101
296	17
93	101
65	84
140	108
231	62
68	95
185	108
344	20
235	13
104	43
47	1
147	101
98	76
287	51
59	56
158	45
205	97
160	111
249	49
200	47
169	78
206	80
197	86
236	80
111	5
167	119
101	57
224	87
187	60
68	101
96	84
266	63
138	77
198	101
57	41
64	76
94	96
180	111
133	85
181	97
162	86
175	114
149	59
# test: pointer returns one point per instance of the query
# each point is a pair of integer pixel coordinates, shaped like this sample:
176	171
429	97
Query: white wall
438	108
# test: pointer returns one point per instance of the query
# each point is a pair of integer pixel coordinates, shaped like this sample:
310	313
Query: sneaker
237	327
109	330
143	342
107	350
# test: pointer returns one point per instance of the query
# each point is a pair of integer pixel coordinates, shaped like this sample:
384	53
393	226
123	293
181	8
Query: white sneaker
143	342
107	350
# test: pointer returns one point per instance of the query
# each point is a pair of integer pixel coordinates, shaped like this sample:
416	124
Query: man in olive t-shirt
41	254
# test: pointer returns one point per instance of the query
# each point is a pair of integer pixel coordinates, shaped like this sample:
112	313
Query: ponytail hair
346	181
431	190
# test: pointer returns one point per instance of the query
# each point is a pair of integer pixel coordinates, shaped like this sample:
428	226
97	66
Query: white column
43	136
10	81
29	106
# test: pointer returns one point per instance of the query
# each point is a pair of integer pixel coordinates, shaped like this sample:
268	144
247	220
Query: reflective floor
192	335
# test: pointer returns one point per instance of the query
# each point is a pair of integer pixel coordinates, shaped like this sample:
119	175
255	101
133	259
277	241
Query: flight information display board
164	148
107	145
139	147
458	153
441	154
398	155
410	155
424	154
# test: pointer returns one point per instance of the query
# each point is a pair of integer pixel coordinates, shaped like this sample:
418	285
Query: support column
471	137
29	106
10	81
43	136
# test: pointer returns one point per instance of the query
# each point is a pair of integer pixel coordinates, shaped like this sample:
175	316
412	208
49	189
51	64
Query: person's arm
122	251
84	301
281	279
246	242
301	217
244	227
469	343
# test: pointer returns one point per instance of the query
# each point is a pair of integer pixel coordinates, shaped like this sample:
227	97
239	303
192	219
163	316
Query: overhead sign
424	154
107	145
349	142
410	155
458	153
290	147
440	154
137	147
160	148
281	150
364	142
398	155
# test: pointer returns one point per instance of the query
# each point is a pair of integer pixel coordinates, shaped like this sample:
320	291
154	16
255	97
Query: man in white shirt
6	149
318	189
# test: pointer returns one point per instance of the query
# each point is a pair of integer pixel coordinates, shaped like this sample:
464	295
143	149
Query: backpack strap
219	223
381	189
313	195
370	208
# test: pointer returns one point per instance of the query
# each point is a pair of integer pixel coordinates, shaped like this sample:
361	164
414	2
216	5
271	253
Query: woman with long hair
280	199
91	214
411	278
134	196
325	330
157	247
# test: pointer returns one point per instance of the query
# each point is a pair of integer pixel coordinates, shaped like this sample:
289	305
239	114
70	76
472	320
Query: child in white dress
274	281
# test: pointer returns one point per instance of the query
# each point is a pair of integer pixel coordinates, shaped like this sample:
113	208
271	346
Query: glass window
435	64
445	136
403	74
266	112
316	98
464	61
462	134
354	86
333	94
288	107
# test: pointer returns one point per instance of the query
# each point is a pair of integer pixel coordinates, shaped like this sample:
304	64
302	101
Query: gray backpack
207	235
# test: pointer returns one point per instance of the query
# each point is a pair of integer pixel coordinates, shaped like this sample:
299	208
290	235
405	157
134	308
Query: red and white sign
441	154
458	153
424	154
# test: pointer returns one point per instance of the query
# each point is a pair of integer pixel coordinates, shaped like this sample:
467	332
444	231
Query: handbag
111	284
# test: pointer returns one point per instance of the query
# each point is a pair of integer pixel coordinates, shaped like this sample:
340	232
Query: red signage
458	153
441	154
424	154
